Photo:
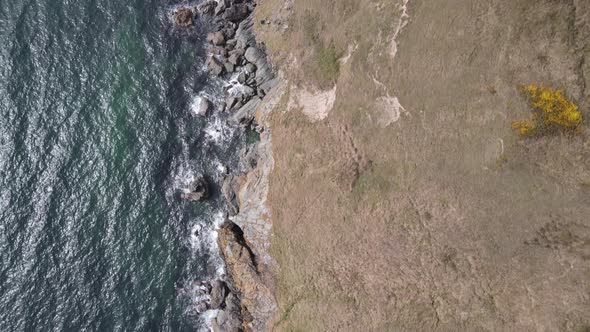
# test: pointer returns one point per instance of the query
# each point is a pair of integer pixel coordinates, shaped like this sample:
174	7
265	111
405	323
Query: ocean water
96	140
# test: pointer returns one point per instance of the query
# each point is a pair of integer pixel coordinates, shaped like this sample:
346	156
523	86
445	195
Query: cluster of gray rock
216	295
233	52
197	190
234	55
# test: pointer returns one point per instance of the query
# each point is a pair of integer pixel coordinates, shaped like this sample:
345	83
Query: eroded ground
411	204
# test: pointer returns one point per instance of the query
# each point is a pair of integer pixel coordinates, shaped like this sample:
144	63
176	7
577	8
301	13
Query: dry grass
443	220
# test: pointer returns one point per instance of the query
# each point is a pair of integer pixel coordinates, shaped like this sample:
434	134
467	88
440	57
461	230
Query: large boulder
253	55
197	190
216	38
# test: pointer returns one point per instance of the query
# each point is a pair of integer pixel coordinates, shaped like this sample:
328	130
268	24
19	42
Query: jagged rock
201	106
239	95
230	318
221	5
217	294
197	190
229	190
244	34
269	84
207	7
241	263
229	32
233	59
214	66
245	114
237	51
236	13
249	158
263	74
231	44
183	17
216	38
230	102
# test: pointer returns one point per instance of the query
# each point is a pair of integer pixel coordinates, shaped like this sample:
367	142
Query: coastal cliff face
245	243
400	196
243	299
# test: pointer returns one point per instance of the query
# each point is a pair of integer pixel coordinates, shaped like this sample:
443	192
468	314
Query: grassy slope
425	224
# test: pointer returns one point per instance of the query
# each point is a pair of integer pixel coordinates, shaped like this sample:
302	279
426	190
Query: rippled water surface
96	138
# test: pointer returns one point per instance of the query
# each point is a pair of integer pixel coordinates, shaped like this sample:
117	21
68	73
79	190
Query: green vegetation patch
323	63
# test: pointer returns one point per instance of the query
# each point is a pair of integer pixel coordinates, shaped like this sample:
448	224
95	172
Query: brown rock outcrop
183	17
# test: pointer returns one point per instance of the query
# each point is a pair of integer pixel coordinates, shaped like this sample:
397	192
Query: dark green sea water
96	139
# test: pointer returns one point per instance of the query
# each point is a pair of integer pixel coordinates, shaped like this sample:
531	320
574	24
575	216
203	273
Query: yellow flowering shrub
552	112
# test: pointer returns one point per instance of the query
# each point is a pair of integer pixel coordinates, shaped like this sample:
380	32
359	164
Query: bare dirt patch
315	104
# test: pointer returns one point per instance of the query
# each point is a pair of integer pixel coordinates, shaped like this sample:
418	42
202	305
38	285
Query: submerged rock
217	294
183	17
201	106
197	190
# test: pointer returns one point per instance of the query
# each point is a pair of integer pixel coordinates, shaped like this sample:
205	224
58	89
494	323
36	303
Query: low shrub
552	112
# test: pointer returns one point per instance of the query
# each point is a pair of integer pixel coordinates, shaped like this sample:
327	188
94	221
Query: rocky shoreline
244	301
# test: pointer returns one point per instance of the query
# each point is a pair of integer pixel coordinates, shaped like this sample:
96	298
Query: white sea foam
195	106
207	317
218	132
